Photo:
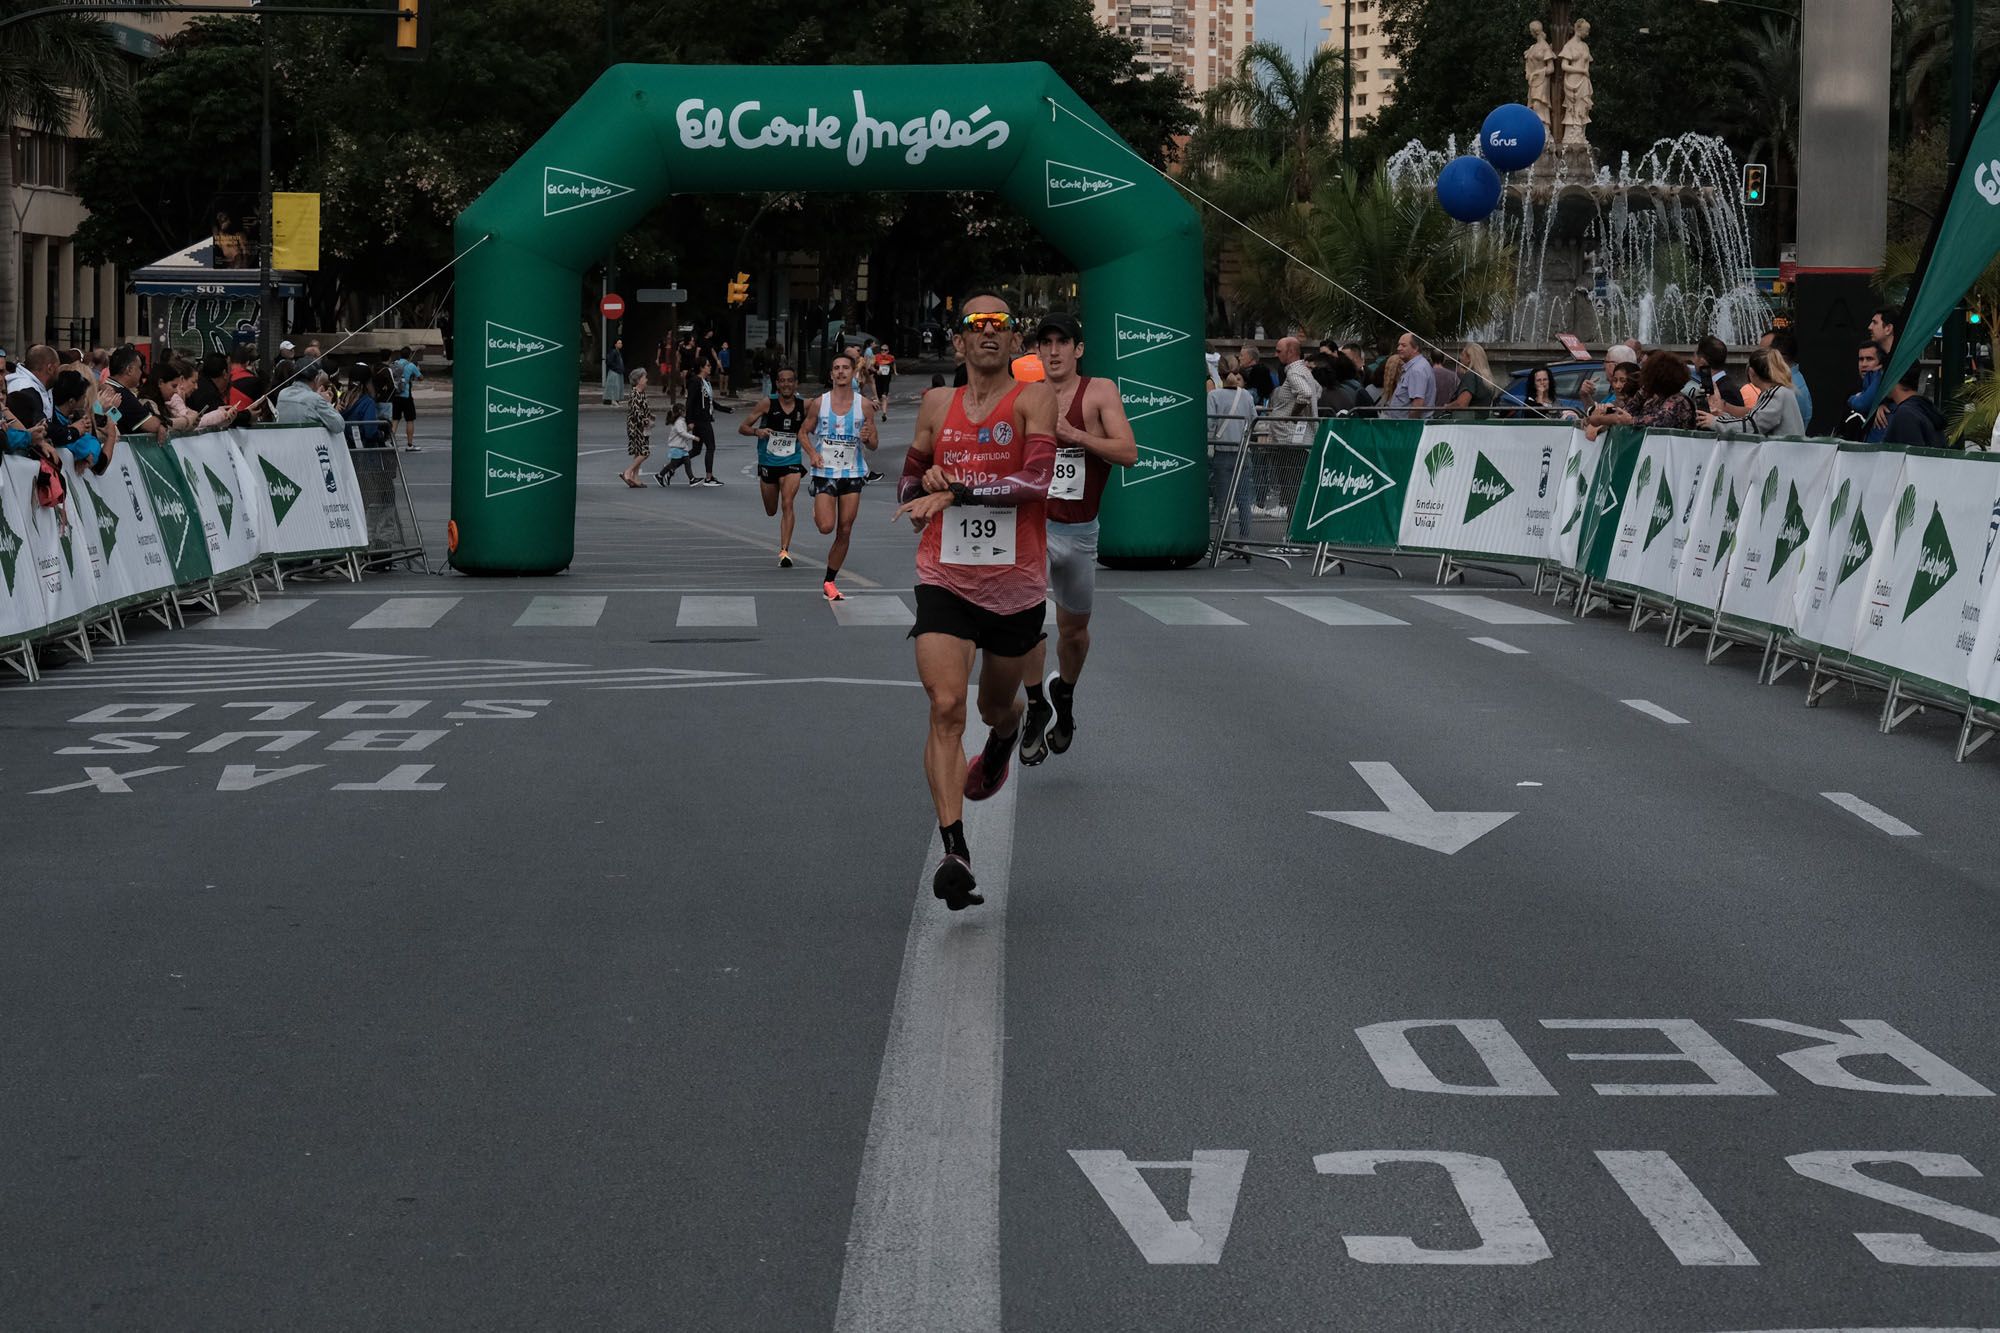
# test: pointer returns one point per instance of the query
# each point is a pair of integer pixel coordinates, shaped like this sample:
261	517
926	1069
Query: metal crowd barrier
394	534
1252	482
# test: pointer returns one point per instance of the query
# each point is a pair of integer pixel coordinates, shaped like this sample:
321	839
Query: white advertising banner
133	545
1840	544
1774	532
1657	509
62	565
87	535
1482	489
1715	527
22	610
311	499
1580	457
1924	594
228	521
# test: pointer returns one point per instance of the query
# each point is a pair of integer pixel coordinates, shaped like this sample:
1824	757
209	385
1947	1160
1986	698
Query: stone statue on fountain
1577	92
1540	59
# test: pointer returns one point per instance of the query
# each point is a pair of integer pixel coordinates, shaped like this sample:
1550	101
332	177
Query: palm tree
1395	262
1978	399
1271	122
49	67
1925	30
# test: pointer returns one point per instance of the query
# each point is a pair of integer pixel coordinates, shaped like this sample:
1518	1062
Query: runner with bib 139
838	425
1092	436
779	465
975	483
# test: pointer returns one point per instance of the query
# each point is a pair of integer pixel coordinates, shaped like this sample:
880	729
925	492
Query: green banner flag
1963	242
1355	481
170	488
1607	493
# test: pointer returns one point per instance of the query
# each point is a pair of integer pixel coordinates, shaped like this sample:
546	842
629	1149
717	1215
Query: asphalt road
554	953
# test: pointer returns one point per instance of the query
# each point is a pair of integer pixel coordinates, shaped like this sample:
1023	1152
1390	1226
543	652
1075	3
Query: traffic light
739	290
410	29
1753	184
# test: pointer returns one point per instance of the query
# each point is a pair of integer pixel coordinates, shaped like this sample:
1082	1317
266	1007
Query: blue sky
1293	24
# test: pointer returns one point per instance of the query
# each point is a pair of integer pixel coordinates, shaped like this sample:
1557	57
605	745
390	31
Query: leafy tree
1661	67
49	67
1272	120
398	150
1395	259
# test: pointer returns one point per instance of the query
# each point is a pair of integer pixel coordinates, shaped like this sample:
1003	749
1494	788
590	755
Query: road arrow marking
1409	817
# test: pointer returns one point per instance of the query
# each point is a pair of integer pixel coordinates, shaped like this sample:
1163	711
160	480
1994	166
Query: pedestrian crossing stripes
635	612
407	613
717	612
1336	611
1491	611
563	612
197	669
1181	610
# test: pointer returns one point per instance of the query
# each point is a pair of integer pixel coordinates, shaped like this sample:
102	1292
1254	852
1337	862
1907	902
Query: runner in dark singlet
1092	436
975	483
779	463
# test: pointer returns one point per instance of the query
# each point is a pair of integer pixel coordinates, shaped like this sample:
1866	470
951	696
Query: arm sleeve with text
1038	465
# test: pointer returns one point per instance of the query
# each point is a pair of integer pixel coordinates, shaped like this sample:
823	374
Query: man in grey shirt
1416	388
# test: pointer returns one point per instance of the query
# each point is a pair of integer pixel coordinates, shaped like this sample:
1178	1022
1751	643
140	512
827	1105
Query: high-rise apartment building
1200	38
1368	50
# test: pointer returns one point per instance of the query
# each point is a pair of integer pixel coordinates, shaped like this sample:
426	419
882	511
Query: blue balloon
1469	188
1512	137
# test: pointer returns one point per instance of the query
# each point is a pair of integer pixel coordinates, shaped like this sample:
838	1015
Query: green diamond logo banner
1489	488
1935	566
1663	511
1791	535
283	490
225	502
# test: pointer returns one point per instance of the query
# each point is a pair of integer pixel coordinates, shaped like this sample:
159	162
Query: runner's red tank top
986	451
1096	472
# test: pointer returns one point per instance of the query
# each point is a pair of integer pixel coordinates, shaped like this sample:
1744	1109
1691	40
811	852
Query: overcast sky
1292	24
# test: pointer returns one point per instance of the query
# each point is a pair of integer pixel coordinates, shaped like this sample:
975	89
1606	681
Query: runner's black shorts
771	476
942	611
403	409
837	485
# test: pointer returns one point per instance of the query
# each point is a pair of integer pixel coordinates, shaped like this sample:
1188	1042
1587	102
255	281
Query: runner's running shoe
832	593
1034	726
784	560
986	773
953	882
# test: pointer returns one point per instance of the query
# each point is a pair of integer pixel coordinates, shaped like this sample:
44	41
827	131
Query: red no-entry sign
612	306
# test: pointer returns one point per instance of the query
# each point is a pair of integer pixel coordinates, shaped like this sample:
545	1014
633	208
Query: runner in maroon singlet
1092	436
975	484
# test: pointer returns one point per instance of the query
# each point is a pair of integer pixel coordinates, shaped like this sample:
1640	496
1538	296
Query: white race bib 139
974	535
1068	483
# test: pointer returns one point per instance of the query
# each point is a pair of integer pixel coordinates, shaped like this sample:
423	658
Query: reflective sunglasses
987	320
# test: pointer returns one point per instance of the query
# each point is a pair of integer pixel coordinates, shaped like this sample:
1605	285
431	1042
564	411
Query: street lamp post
1952	354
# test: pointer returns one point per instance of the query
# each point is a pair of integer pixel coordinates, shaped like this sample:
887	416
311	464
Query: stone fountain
1658	249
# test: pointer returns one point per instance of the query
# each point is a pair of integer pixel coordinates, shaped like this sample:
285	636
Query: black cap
1062	324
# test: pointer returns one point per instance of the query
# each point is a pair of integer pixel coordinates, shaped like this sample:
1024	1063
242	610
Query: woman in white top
1232	411
1777	410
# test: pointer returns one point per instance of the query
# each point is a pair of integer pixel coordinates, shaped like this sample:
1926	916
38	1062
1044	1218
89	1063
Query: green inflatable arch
644	132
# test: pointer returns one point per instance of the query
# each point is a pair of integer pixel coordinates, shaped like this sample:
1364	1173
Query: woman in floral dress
638	428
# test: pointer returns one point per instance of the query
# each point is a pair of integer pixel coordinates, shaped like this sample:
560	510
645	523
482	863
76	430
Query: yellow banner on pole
295	232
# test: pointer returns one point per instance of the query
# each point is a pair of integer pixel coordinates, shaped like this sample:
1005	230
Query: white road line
1854	805
1651	709
565	612
717	611
923	1248
1335	611
1489	611
257	615
872	609
1181	610
407	613
1677	1209
1500	646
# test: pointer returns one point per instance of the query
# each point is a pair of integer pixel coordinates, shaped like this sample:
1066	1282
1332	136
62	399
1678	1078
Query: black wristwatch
961	494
